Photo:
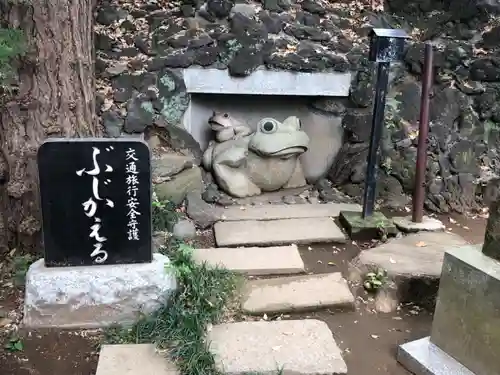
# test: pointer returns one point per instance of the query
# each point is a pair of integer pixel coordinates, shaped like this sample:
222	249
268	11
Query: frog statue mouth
219	121
275	139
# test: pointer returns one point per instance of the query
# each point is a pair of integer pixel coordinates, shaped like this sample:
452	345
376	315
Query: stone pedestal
366	229
95	296
428	224
466	326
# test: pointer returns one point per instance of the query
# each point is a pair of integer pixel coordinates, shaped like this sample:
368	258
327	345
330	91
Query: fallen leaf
421	244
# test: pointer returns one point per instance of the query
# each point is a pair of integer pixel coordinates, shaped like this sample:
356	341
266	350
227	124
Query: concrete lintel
267	82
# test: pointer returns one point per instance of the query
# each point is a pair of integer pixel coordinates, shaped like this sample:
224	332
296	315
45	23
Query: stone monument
465	336
99	268
245	163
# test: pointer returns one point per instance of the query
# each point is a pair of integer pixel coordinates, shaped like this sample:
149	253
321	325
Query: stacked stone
143	47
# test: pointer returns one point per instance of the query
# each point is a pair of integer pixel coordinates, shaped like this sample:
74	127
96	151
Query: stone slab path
295	346
294	211
419	254
256	261
299	347
296	293
277	232
133	359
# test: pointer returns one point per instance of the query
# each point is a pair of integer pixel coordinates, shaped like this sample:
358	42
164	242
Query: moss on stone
374	226
168	83
174	107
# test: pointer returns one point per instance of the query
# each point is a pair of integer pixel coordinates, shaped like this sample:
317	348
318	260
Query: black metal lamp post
386	46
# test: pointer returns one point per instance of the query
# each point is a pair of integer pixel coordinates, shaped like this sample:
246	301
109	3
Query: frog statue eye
268	127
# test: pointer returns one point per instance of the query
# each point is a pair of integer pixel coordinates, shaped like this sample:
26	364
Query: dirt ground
369	340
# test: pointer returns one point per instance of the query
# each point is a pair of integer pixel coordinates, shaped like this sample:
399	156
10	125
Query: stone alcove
267	93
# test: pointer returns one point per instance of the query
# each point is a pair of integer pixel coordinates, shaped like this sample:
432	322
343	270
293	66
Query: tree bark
491	245
55	98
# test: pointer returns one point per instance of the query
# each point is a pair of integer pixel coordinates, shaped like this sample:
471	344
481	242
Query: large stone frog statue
265	160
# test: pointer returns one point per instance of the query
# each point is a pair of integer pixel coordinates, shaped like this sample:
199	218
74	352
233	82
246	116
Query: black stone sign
96	201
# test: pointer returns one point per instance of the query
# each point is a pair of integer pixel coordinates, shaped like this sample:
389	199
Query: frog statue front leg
227	162
265	160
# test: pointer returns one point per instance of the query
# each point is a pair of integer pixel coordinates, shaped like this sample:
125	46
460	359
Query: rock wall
142	47
464	130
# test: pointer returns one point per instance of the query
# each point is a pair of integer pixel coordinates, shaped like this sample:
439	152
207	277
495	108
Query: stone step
277	232
257	261
133	359
415	258
296	293
302	347
294	211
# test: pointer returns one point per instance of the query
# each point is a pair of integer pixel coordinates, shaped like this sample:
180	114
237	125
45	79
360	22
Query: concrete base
95	296
466	321
422	357
365	229
428	224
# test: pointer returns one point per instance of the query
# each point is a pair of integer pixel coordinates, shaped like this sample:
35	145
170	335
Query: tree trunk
55	98
491	245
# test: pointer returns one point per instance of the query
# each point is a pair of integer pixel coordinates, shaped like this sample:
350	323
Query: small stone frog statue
226	128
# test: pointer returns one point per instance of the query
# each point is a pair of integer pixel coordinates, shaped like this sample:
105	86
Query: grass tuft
203	293
165	214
